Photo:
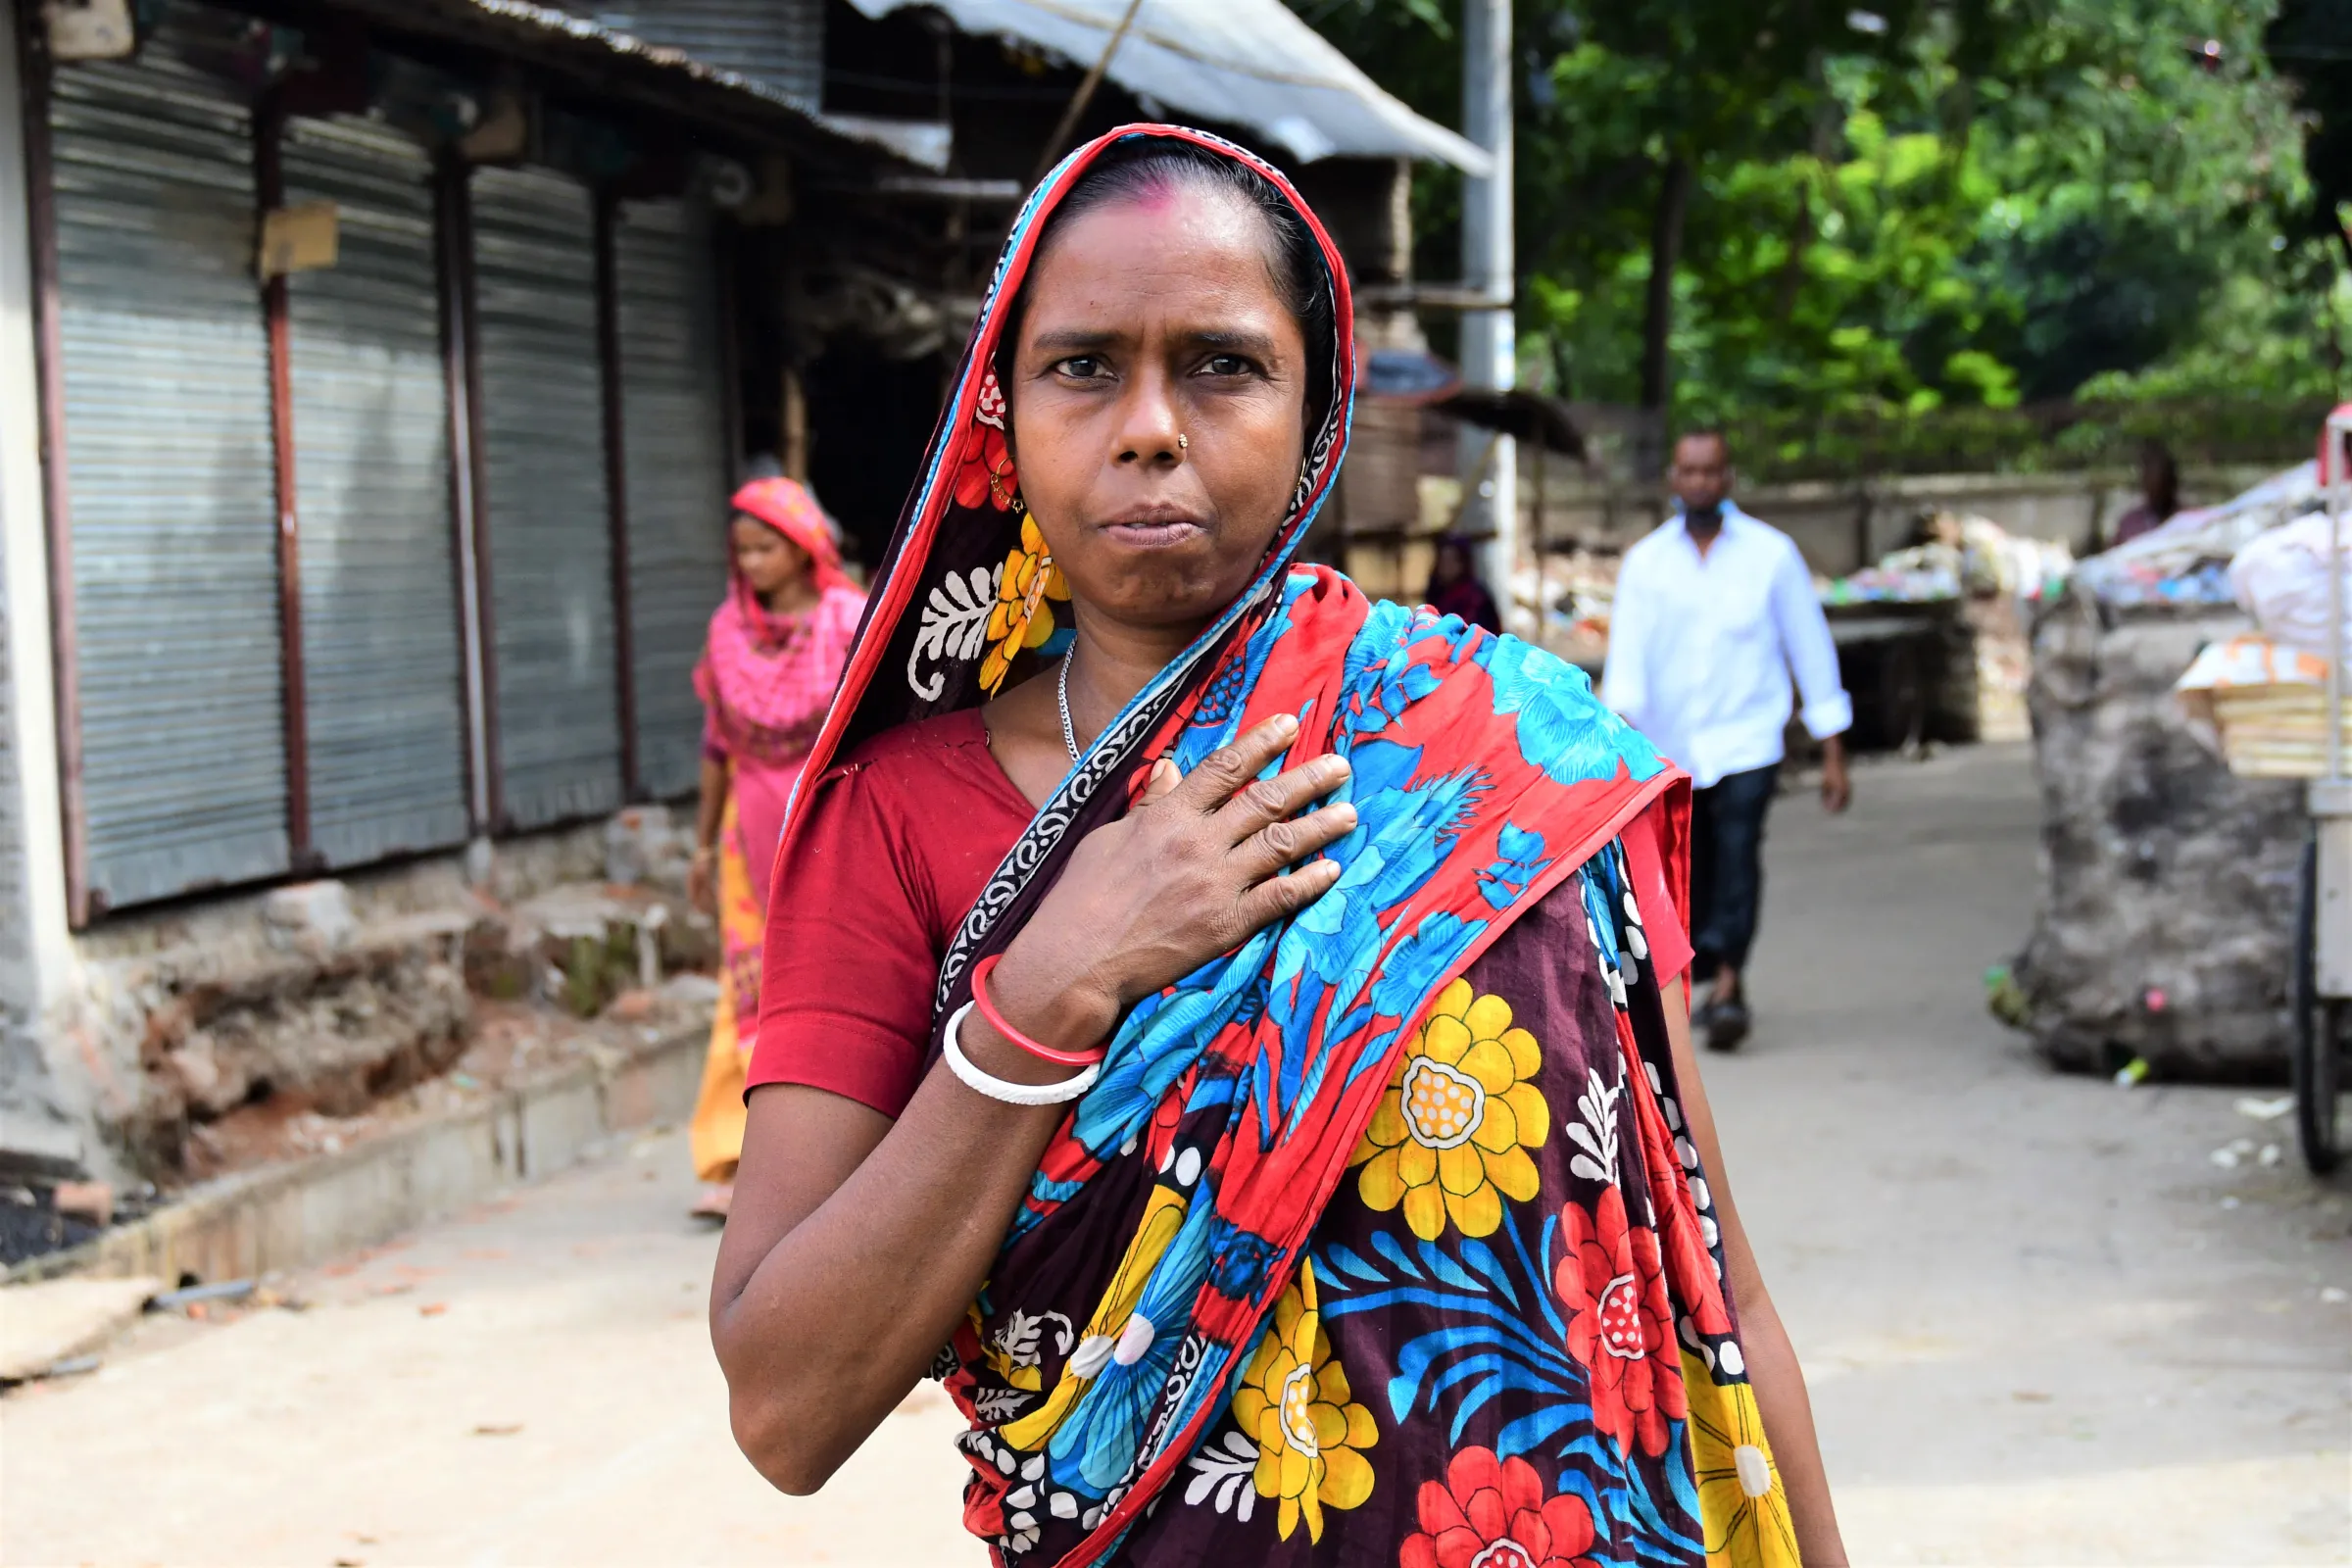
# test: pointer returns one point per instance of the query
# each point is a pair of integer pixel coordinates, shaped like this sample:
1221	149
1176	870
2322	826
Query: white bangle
998	1089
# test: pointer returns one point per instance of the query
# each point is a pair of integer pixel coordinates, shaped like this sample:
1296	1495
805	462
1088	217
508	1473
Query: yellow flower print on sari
1021	616
1294	1399
1740	1500
1114	1320
1452	1132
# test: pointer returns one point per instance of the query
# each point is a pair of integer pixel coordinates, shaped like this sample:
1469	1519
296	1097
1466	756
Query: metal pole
457	360
617	486
2337	483
2331	796
1084	94
1490	470
1542	636
269	182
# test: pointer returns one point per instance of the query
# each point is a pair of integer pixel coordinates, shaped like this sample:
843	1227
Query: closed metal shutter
382	666
168	467
780	44
550	526
677	450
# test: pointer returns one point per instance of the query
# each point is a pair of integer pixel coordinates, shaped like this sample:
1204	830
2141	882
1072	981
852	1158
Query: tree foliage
2311	43
1925	204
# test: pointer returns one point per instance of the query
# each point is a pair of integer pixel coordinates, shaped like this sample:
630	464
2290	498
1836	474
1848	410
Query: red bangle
996	1021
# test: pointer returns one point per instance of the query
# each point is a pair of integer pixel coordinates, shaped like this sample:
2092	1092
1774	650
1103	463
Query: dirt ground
2041	1324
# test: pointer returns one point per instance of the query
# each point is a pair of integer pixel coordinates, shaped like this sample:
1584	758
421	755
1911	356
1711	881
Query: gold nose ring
1183	443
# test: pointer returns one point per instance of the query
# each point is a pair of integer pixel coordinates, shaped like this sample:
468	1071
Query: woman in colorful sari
1239	1046
772	658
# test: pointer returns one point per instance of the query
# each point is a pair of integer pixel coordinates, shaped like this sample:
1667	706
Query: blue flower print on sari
1457	634
1240	1260
1563	728
1419	963
1379	697
1104	1429
1523	861
1217	718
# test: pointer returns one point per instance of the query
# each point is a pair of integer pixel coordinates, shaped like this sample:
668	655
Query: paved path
2037	1328
2040	1325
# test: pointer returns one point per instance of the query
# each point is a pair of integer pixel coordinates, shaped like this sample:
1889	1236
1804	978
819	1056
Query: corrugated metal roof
1238	62
779	44
524	18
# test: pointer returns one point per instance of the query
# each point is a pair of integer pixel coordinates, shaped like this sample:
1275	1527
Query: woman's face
766	559
1148	319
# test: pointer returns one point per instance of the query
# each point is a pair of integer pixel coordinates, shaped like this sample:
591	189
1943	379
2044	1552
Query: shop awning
742	72
1234	62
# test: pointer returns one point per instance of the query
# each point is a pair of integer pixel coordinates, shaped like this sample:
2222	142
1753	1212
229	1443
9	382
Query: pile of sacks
2186	560
2261	698
1956	556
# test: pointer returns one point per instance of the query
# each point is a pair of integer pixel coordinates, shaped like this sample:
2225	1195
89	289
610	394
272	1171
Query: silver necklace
1061	692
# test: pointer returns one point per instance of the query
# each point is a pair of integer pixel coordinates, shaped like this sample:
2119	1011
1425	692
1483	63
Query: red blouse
902	837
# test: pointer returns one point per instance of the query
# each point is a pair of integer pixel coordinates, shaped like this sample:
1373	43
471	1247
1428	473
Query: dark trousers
1727	868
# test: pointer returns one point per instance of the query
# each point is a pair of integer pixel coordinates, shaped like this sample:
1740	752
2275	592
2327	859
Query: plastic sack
2280	579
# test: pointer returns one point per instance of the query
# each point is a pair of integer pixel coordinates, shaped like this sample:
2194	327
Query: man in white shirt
1713	611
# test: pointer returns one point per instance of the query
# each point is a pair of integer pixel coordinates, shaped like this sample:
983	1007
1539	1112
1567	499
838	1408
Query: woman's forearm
827	1329
1787	1412
1773	1370
855	1245
712	809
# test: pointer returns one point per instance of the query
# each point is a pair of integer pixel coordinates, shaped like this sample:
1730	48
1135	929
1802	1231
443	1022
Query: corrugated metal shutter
382	667
676	451
175	534
550	526
779	44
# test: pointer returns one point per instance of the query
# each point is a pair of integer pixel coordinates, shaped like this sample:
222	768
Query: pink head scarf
765	679
786	505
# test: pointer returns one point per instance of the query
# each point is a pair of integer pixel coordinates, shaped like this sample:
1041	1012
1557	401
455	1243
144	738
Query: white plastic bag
2280	579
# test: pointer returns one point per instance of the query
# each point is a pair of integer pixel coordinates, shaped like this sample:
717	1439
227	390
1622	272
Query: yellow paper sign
301	238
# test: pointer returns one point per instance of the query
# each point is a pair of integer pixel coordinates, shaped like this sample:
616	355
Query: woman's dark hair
1145	165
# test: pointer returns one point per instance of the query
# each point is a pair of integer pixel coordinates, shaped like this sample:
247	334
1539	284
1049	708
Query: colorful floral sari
765	680
1379	1240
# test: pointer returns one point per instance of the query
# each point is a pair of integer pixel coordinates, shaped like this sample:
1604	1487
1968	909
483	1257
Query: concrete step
290	1215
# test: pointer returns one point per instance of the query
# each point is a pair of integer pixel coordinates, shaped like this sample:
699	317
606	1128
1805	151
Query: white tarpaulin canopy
1237	62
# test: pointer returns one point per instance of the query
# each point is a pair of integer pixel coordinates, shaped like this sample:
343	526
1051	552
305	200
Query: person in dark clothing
1454	589
2159	490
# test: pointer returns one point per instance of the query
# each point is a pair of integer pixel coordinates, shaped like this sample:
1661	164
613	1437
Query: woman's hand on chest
1194	870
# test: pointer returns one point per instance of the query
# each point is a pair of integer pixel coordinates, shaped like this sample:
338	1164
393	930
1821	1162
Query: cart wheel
2323	1025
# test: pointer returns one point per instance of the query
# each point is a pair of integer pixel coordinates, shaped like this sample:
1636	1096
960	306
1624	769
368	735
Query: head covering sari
1161	1250
765	681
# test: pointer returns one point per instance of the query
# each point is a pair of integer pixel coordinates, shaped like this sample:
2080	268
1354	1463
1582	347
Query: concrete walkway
2041	1325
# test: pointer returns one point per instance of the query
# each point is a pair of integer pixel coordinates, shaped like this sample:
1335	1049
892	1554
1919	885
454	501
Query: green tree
2310	42
1727	208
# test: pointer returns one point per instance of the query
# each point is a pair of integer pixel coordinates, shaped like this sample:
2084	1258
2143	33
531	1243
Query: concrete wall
40	1106
1845	525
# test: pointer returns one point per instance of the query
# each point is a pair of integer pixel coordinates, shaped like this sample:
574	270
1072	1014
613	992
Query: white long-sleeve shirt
1700	647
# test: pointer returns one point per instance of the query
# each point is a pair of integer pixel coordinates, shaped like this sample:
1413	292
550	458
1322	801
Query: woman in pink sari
774	654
